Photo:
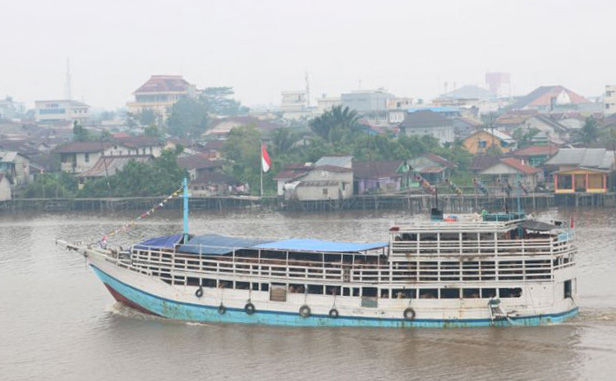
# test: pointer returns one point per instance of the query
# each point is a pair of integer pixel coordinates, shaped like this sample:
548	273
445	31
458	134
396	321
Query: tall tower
67	82
307	91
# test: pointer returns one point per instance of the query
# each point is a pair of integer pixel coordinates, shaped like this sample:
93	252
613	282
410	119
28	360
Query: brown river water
57	321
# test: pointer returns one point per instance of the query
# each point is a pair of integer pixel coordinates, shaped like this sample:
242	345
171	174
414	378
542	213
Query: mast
185	184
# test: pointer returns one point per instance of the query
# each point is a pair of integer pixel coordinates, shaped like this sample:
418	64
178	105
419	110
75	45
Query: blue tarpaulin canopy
166	241
213	244
309	245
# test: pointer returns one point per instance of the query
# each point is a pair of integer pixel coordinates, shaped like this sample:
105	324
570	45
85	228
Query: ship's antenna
185	186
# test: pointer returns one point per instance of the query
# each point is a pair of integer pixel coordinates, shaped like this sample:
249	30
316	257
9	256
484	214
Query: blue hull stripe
177	310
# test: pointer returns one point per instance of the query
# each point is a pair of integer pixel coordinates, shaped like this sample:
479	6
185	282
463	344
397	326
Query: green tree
153	131
589	133
217	101
242	151
524	137
147	117
282	140
51	185
80	133
337	125
160	177
188	118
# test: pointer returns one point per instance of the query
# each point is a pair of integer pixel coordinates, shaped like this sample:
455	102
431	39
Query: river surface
57	321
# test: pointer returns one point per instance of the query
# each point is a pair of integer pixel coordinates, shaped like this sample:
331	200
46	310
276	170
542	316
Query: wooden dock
413	203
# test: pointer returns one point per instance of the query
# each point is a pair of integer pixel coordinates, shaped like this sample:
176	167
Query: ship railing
524	247
511	269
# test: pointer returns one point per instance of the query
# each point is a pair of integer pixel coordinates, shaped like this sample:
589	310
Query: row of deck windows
394	293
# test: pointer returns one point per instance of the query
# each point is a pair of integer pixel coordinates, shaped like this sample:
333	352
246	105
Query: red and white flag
266	163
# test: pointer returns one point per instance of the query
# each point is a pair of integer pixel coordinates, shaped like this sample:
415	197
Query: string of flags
148	213
425	184
480	185
454	187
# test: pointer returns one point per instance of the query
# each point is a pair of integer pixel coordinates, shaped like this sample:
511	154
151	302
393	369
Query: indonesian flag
571	222
266	163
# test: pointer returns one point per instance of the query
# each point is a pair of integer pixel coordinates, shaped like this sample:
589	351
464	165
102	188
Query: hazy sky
264	47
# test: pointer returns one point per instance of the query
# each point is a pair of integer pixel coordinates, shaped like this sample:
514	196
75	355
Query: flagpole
261	166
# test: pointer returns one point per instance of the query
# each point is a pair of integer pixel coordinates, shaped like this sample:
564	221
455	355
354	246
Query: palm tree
589	133
336	124
282	140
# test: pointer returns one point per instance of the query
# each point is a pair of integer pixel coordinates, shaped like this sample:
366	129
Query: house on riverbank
583	170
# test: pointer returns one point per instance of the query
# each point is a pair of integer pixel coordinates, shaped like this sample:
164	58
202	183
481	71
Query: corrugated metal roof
110	165
584	157
335	161
315	245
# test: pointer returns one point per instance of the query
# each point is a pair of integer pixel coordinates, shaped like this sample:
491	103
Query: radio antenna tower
307	91
67	84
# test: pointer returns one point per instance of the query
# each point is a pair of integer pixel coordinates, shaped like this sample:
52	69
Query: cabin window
568	292
510	292
264	287
450	293
297	288
370	291
488	293
225	284
205	282
255	287
192	281
346	291
384	293
242	285
315	289
428	293
87	158
356	291
470	293
403	293
332	290
324	191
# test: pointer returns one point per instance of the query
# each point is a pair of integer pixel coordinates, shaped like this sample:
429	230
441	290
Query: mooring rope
125	227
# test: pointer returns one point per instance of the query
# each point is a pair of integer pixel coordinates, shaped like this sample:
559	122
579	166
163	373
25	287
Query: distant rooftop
164	83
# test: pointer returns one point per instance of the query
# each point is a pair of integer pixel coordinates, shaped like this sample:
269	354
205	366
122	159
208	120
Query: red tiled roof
139	141
164	83
197	162
289	175
214	145
214	178
518	165
542	96
82	147
439	159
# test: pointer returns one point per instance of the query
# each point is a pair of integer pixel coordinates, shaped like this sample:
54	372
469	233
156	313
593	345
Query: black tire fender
304	311
249	308
409	314
333	313
222	309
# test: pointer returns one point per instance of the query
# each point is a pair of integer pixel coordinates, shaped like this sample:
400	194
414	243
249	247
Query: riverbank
414	203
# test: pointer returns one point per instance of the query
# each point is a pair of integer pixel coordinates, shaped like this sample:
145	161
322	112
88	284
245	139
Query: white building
294	101
426	122
5	188
326	103
364	101
61	111
610	100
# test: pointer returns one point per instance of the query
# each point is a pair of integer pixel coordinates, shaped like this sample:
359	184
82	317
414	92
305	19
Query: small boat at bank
502	269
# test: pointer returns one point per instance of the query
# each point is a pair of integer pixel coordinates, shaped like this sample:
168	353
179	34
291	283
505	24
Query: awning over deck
315	245
214	244
537	226
163	242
